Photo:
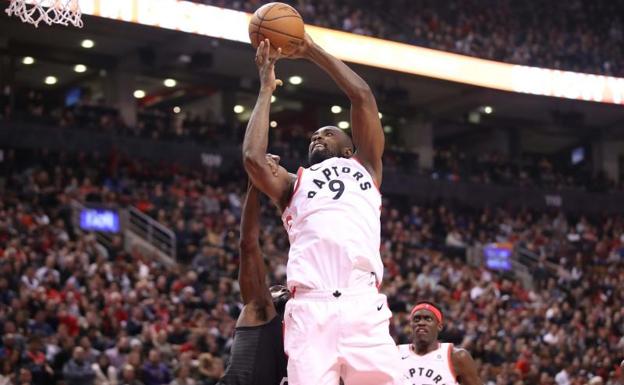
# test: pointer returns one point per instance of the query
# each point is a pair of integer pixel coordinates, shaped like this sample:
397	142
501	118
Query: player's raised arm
368	135
252	273
275	182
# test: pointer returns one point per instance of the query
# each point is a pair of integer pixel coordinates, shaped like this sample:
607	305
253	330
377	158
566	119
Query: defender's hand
266	65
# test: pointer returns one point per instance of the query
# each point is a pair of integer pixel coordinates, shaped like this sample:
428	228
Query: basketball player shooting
427	361
337	324
257	354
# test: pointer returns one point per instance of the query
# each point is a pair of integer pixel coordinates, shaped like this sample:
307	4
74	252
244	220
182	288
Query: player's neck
422	348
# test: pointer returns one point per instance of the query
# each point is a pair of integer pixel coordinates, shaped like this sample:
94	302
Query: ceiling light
488	109
139	94
49	80
28	60
87	43
343	125
176	110
273	98
273	124
238	109
170	83
380	115
336	109
388	129
80	68
295	80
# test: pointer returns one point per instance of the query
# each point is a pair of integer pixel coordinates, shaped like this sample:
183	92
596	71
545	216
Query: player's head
328	142
280	295
426	322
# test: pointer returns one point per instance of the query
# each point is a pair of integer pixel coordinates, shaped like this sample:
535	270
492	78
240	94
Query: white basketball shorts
333	334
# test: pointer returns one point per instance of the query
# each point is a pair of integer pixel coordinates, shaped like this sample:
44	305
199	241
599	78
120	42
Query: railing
152	231
528	261
520	268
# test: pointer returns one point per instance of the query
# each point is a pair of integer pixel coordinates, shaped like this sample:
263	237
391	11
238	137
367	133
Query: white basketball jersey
333	223
433	368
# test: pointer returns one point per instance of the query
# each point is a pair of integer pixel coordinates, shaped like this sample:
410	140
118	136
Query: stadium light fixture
176	109
238	109
273	124
388	129
336	109
170	83
295	80
343	125
380	115
87	43
28	60
80	68
50	80
273	98
139	94
488	109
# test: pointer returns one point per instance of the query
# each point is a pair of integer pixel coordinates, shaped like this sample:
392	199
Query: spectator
210	369
24	378
154	371
78	371
128	376
105	373
182	377
118	354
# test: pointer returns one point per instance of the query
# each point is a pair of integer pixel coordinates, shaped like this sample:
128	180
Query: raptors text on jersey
433	368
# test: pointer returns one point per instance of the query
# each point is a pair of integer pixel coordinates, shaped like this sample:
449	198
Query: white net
64	12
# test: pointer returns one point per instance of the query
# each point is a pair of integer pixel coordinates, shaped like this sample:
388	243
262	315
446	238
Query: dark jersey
257	356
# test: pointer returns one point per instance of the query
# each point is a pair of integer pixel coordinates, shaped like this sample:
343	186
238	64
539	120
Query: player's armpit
465	368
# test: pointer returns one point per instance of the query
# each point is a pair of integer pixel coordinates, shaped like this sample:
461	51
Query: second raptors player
426	361
337	323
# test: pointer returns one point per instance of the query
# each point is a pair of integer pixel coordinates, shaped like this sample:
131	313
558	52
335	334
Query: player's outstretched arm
275	182
465	368
368	135
251	272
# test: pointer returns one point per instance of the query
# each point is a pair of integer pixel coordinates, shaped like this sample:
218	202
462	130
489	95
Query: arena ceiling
195	60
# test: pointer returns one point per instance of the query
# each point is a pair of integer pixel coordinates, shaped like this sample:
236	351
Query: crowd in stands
578	35
291	142
492	167
74	311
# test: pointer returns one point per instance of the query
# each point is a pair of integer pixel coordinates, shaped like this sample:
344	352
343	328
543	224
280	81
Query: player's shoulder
460	356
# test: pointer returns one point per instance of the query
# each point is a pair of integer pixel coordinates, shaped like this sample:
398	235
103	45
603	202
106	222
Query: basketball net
64	12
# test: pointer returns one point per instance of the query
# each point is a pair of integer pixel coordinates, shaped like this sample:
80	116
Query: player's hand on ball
266	65
304	48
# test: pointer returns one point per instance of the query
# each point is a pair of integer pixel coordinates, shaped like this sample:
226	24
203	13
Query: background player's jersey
334	227
434	368
257	356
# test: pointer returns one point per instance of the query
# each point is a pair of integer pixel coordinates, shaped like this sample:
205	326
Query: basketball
281	24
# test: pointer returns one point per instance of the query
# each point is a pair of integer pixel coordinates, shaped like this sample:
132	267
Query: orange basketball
280	23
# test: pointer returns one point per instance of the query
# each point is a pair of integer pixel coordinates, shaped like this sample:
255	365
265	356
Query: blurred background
121	187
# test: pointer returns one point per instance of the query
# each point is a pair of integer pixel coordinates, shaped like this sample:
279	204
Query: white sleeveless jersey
434	368
333	223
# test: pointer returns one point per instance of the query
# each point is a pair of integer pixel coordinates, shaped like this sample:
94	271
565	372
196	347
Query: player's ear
347	152
440	327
